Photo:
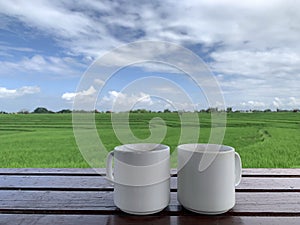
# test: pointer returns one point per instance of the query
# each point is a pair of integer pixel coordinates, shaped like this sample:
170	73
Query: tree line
43	110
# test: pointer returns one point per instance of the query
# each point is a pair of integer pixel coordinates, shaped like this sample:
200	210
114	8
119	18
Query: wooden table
81	196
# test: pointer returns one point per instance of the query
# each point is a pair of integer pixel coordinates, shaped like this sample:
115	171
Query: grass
264	140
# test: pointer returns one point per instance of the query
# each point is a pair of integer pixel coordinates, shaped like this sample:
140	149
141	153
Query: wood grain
95	172
260	203
82	196
99	183
25	219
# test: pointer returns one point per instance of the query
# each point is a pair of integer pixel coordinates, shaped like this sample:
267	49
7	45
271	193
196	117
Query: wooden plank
10	219
272	172
52	171
267	172
269	184
78	183
252	204
101	171
98	183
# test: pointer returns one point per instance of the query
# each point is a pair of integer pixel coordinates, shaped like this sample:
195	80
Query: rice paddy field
263	139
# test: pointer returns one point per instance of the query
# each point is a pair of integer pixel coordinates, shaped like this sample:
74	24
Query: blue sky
252	48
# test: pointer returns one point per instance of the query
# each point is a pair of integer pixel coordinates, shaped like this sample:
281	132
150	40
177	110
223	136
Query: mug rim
157	148
202	148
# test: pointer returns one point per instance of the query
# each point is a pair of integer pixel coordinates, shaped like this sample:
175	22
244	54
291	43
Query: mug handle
109	169
238	169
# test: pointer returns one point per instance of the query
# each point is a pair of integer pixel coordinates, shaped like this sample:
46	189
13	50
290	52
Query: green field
264	140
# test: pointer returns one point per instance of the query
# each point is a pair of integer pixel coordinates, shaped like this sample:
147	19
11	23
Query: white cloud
277	102
55	66
252	45
260	64
13	93
254	104
71	28
90	28
69	96
286	103
99	82
294	102
119	101
84	95
264	75
5	47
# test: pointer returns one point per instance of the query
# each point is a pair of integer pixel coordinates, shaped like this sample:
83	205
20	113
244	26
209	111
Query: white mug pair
141	177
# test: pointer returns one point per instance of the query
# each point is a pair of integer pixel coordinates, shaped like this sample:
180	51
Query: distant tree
229	109
23	111
167	111
267	110
41	110
65	111
144	111
139	111
209	110
3	112
295	110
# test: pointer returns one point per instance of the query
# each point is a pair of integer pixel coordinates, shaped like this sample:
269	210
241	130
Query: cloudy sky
251	47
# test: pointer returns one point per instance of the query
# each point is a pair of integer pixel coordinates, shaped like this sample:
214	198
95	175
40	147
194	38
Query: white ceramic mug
141	177
211	191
